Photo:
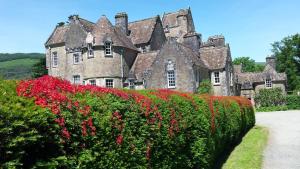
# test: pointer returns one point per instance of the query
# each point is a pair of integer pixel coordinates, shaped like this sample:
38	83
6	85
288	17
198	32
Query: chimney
74	18
271	60
121	20
192	41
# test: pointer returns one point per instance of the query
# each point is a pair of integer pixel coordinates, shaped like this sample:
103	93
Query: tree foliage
249	64
205	87
287	53
39	69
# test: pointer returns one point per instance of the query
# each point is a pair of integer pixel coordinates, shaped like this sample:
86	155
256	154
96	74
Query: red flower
119	139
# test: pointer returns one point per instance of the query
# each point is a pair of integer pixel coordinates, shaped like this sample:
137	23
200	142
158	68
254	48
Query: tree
205	87
39	69
249	65
287	53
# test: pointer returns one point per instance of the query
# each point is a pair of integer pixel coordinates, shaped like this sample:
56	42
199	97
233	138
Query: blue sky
250	26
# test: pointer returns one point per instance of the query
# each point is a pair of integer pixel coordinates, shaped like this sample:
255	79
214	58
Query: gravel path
283	149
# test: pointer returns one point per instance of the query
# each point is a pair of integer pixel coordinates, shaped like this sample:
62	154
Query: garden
50	123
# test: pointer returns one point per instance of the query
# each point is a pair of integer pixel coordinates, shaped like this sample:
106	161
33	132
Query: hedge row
93	127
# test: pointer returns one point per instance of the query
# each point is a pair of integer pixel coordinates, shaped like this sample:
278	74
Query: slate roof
215	57
58	35
170	19
247	79
141	31
143	63
194	56
105	31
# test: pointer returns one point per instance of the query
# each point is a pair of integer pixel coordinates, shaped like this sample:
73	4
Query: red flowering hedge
94	127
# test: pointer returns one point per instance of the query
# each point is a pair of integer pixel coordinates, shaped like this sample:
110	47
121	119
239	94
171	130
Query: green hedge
108	128
293	101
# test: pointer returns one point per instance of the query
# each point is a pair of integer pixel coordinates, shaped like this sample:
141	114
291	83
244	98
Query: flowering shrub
96	127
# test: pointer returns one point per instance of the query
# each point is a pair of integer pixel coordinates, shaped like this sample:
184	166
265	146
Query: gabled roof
170	19
215	57
142	30
143	63
247	79
58	35
104	31
87	25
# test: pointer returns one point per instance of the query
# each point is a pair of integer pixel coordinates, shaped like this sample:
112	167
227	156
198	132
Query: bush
272	108
269	97
94	127
293	101
205	87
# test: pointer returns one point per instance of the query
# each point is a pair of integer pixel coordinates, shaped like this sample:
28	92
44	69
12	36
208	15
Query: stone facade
148	53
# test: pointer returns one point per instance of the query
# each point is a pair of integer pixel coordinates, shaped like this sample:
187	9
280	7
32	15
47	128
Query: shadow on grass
226	153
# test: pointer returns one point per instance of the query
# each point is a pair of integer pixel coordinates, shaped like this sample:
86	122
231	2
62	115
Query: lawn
249	153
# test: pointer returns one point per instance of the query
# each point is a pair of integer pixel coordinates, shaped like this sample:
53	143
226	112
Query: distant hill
18	65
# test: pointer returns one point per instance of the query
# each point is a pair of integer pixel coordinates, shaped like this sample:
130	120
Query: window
54	59
268	83
90	51
231	79
76	79
216	77
109	83
108	48
76	58
171	79
93	82
131	84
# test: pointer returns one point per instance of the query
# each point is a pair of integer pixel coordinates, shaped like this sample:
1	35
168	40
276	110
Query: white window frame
268	83
109	84
54	59
131	84
171	79
216	79
92	82
108	49
74	58
231	78
76	79
90	51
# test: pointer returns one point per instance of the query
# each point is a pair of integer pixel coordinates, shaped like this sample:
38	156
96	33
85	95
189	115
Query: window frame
171	79
74	59
215	79
131	84
90	51
75	81
54	59
110	85
108	48
268	83
92	84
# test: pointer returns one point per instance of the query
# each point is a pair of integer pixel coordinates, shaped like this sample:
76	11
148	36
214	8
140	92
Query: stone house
148	53
216	54
250	83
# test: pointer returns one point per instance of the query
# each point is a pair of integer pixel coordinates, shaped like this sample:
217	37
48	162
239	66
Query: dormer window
107	49
90	50
268	83
54	59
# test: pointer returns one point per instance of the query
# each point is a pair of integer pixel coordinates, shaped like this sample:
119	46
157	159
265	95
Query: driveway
283	149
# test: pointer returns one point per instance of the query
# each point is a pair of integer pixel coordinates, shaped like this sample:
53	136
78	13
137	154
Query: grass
249	153
17	69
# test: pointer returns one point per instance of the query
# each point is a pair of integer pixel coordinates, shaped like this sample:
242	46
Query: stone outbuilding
250	83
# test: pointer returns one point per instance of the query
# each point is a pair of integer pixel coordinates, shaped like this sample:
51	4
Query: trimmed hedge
94	127
293	101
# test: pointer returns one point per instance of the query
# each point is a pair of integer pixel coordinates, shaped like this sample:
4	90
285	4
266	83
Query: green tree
205	87
39	69
287	53
249	64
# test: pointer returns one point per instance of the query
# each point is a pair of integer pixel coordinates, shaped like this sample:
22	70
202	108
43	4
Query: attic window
90	50
107	50
268	83
76	58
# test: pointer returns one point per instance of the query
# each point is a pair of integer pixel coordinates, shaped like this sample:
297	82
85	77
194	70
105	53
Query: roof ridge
168	13
154	17
86	20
